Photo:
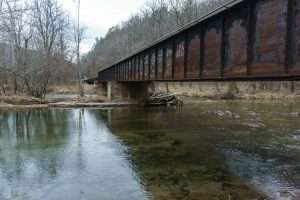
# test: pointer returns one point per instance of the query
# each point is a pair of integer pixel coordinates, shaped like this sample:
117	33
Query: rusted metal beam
223	44
164	61
202	53
173	56
185	54
143	77
149	63
139	67
289	36
251	27
156	63
250	39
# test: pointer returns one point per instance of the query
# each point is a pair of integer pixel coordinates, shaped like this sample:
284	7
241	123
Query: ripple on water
254	125
286	114
262	174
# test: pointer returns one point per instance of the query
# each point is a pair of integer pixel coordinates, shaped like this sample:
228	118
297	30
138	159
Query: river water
205	150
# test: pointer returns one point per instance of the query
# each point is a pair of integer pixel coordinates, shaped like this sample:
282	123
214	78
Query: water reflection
189	153
62	154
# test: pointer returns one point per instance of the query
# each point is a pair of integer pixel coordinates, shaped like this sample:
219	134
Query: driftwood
161	98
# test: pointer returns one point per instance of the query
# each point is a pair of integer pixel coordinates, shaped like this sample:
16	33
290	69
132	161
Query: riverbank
239	90
166	93
66	101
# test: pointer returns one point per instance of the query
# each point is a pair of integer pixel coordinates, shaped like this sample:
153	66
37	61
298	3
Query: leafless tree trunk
176	6
200	88
167	87
49	20
78	35
217	87
292	88
13	25
253	85
3	89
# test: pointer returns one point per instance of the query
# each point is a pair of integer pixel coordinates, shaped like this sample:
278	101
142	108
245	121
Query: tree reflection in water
30	146
62	154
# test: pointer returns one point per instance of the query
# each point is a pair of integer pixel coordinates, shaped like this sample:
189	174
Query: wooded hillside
157	19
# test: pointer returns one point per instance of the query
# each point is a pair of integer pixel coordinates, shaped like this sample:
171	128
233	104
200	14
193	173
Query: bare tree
13	25
49	21
78	35
177	6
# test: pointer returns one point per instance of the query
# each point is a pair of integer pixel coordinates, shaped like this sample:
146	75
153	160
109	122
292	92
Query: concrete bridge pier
101	88
137	91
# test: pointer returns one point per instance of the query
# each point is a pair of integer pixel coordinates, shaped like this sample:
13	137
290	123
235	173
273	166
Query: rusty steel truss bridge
242	40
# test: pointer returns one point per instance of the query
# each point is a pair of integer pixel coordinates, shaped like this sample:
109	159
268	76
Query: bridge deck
243	40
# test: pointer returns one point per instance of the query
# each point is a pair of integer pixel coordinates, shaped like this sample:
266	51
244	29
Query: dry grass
220	91
88	90
63	90
91	99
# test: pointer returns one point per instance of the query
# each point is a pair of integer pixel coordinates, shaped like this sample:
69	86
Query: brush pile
161	98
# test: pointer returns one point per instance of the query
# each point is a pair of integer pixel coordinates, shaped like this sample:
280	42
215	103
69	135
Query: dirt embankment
23	101
88	90
241	90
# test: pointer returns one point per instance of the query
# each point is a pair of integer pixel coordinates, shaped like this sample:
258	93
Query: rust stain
193	63
236	44
179	58
269	45
141	68
160	74
212	50
137	68
168	70
152	67
146	75
296	34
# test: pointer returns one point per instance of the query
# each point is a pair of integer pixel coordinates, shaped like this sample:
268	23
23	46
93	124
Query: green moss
170	169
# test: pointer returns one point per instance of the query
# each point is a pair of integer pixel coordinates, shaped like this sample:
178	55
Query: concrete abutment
137	91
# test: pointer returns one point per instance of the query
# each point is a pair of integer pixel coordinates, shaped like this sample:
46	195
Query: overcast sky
100	15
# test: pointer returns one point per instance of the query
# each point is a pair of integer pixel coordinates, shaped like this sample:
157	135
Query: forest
38	40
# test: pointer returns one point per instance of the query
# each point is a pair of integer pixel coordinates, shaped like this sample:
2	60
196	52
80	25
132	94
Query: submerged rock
220	113
155	135
296	114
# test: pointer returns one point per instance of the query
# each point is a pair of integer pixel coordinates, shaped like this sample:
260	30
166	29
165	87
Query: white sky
100	15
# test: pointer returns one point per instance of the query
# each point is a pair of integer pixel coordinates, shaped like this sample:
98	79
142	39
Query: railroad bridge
240	41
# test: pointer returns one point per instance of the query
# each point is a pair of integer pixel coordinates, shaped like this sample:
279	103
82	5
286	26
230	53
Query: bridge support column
109	90
101	88
137	91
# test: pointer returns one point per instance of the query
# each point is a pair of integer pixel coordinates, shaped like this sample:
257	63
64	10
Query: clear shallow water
62	154
143	153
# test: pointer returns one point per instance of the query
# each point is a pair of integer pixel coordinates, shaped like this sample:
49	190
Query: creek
204	150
